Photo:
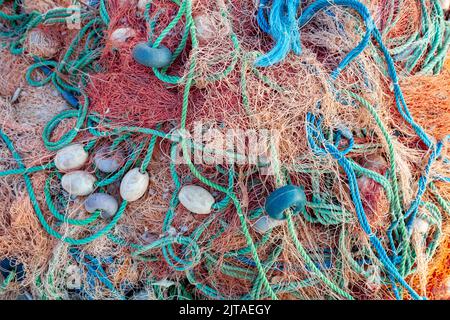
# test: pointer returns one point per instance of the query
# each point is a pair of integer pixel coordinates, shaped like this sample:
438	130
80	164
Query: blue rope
95	271
315	133
277	25
285	29
282	26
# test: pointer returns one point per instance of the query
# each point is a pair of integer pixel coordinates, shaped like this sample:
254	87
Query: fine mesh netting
350	106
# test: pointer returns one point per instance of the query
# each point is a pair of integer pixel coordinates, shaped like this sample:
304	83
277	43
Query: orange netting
12	73
430	106
438	280
428	103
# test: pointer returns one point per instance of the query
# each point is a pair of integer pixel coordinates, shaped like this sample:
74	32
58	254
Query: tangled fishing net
319	129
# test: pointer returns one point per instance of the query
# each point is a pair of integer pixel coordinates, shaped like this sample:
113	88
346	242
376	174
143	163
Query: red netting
126	92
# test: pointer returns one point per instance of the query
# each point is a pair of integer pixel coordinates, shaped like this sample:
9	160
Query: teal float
287	197
152	57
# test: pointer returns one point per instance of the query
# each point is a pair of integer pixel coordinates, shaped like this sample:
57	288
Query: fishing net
121	91
435	276
414	32
317	109
431	110
438	279
44	6
12	74
21	233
